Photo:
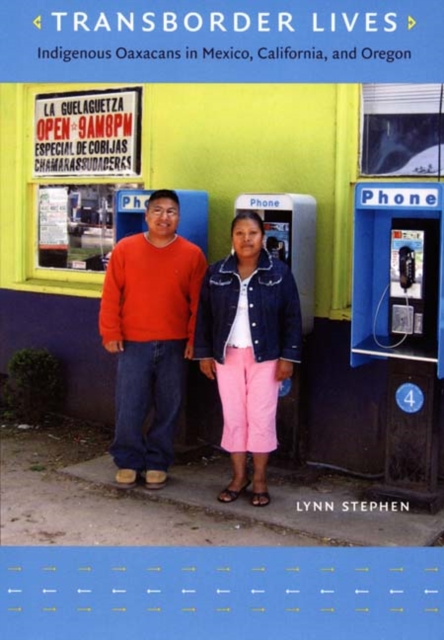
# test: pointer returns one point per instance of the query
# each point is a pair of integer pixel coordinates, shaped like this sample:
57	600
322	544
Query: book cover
259	97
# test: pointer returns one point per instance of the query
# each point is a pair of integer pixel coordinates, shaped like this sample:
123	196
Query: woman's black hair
247	214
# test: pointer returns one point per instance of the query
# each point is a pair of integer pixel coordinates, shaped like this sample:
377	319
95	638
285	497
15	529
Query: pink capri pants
249	394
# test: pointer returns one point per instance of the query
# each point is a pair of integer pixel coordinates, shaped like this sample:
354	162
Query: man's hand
284	370
115	346
208	368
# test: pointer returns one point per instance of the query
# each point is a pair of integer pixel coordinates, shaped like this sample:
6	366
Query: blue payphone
398	283
131	206
398	316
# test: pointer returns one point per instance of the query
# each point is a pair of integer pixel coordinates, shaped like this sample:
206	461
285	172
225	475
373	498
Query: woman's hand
208	368
284	370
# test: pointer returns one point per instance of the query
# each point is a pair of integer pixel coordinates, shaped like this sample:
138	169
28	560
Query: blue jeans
150	375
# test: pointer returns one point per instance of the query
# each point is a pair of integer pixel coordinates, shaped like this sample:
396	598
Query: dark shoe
230	494
260	499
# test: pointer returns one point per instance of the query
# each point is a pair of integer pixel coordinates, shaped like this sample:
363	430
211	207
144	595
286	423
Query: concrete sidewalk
332	509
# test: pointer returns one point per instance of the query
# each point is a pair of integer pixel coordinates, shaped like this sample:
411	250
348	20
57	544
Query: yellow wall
224	139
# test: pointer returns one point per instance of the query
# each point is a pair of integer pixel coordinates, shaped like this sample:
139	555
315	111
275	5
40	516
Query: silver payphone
290	232
414	252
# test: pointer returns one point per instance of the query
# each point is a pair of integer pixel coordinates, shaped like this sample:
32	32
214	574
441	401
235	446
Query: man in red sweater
147	317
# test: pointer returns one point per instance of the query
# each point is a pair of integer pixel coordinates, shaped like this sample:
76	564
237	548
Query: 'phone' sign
399	197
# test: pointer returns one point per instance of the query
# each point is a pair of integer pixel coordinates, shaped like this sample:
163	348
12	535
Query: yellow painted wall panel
225	139
231	139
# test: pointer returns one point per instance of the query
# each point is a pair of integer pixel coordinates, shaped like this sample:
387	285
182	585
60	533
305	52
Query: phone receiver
406	267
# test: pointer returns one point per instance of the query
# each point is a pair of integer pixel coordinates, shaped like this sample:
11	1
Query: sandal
231	493
256	499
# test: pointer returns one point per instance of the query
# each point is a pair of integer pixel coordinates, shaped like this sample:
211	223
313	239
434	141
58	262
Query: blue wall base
342	414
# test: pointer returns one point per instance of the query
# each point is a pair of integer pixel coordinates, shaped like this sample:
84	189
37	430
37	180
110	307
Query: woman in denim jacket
248	337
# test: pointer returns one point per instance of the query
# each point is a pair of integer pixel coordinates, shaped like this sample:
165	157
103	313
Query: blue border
166	593
392	41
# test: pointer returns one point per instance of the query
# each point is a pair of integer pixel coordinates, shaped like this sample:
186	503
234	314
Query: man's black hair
164	193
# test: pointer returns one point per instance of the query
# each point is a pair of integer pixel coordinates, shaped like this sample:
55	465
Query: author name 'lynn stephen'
350	506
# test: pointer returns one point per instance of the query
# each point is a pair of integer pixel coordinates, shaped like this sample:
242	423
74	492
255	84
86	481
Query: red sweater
151	293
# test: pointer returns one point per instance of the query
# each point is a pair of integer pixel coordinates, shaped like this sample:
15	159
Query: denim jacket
273	310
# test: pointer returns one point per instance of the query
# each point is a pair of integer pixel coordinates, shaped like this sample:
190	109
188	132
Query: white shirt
240	335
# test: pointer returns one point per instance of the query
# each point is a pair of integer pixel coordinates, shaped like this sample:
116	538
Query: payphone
398	284
397	306
406	251
131	205
414	268
290	235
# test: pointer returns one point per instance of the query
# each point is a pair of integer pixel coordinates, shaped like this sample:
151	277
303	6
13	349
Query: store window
402	130
87	146
76	225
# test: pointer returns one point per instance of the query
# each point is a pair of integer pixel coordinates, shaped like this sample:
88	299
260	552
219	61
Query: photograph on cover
345	181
